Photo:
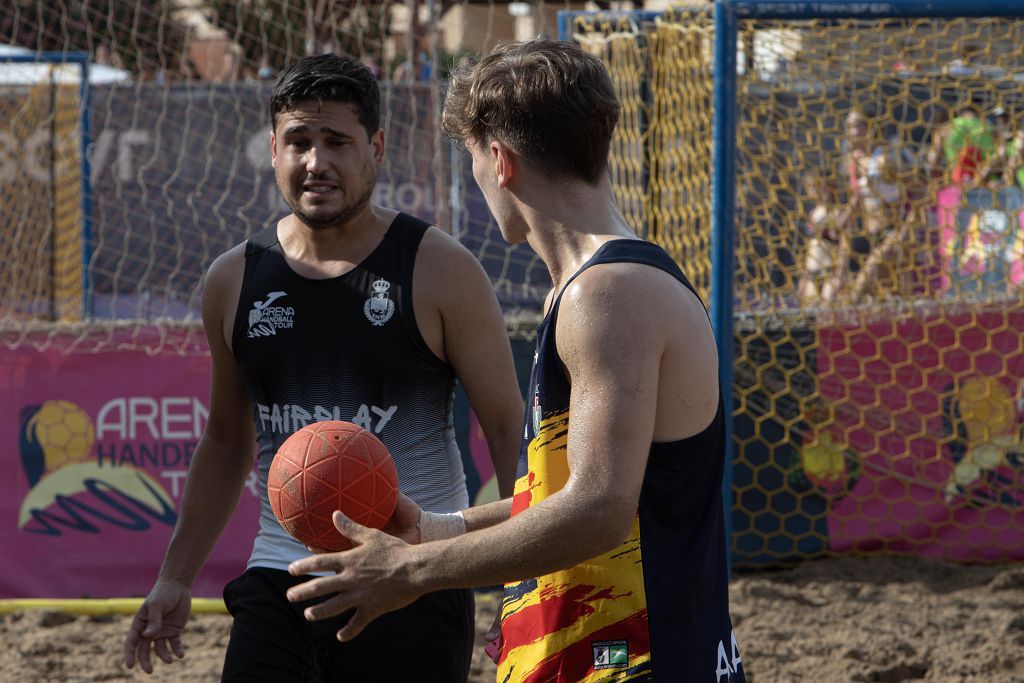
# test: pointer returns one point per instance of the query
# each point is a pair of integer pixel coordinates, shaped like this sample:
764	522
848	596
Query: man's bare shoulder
451	265
633	290
439	245
227	268
222	286
627	310
637	330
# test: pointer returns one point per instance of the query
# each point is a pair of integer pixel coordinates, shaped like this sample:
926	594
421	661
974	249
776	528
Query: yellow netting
618	47
40	198
68	222
681	141
661	155
879	270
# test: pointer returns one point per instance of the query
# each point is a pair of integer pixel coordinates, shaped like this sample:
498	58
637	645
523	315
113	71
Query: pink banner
96	447
930	408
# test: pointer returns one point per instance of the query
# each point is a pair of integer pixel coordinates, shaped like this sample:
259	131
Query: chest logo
265	319
379	307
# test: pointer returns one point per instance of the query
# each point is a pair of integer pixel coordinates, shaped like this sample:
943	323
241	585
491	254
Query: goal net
116	197
42	226
876	279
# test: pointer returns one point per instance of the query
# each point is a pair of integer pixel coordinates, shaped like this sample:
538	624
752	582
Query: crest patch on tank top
379	307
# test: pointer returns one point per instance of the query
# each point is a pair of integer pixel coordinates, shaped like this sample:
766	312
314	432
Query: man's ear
506	163
377	142
273	150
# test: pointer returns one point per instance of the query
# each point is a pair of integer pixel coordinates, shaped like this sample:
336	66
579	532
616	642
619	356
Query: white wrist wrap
435	526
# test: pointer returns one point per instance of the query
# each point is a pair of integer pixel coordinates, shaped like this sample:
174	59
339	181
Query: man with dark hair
293	340
612	550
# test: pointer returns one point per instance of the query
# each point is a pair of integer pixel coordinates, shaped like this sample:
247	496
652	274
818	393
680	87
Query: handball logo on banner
985	428
265	320
823	462
69	489
379	307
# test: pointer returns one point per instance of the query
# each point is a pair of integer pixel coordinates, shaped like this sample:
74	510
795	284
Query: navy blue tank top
345	348
657	606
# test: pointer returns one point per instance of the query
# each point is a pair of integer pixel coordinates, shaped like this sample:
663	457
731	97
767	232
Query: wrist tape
435	526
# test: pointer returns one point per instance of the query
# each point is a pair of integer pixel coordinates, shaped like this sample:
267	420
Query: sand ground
879	619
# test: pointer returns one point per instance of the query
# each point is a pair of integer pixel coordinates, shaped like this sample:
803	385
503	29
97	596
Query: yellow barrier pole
102	606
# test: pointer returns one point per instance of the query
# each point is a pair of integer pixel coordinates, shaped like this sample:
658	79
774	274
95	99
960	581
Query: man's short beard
340	217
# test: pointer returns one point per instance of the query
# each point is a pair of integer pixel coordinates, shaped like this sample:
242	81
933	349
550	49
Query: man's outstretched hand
373	578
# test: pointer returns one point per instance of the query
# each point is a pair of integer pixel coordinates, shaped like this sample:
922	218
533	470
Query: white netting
112	252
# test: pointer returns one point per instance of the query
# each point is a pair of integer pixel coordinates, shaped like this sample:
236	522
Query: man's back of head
550	101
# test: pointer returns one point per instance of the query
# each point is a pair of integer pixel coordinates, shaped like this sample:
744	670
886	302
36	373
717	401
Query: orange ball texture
328	466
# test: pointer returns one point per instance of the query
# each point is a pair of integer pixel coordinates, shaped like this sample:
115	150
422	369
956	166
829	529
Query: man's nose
315	161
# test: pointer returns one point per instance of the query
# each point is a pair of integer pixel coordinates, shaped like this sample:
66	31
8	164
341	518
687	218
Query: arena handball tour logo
265	320
69	489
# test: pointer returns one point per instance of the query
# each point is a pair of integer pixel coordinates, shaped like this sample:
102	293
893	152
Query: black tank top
657	606
345	348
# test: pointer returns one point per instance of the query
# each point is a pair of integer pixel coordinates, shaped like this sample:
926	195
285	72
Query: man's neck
571	225
330	251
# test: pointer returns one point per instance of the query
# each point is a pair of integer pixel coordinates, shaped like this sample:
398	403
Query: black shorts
430	640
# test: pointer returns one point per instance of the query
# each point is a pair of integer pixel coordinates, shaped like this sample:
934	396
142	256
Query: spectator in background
826	262
989	251
1015	157
107	56
188	69
231	65
1001	124
968	143
880	178
370	63
965	64
265	72
149	68
408	70
416	67
934	165
1008	160
983	243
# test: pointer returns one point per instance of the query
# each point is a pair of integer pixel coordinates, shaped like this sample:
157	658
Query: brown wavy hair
549	101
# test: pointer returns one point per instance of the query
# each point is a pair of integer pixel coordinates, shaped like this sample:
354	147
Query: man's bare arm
477	346
220	465
225	454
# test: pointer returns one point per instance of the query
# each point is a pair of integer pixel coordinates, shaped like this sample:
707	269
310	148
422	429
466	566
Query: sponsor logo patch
611	654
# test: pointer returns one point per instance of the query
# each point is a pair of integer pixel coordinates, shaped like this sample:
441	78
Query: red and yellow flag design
587	623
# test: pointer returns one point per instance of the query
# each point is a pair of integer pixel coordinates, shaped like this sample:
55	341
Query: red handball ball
328	466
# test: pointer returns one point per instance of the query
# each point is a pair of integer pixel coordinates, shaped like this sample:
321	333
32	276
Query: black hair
328	78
